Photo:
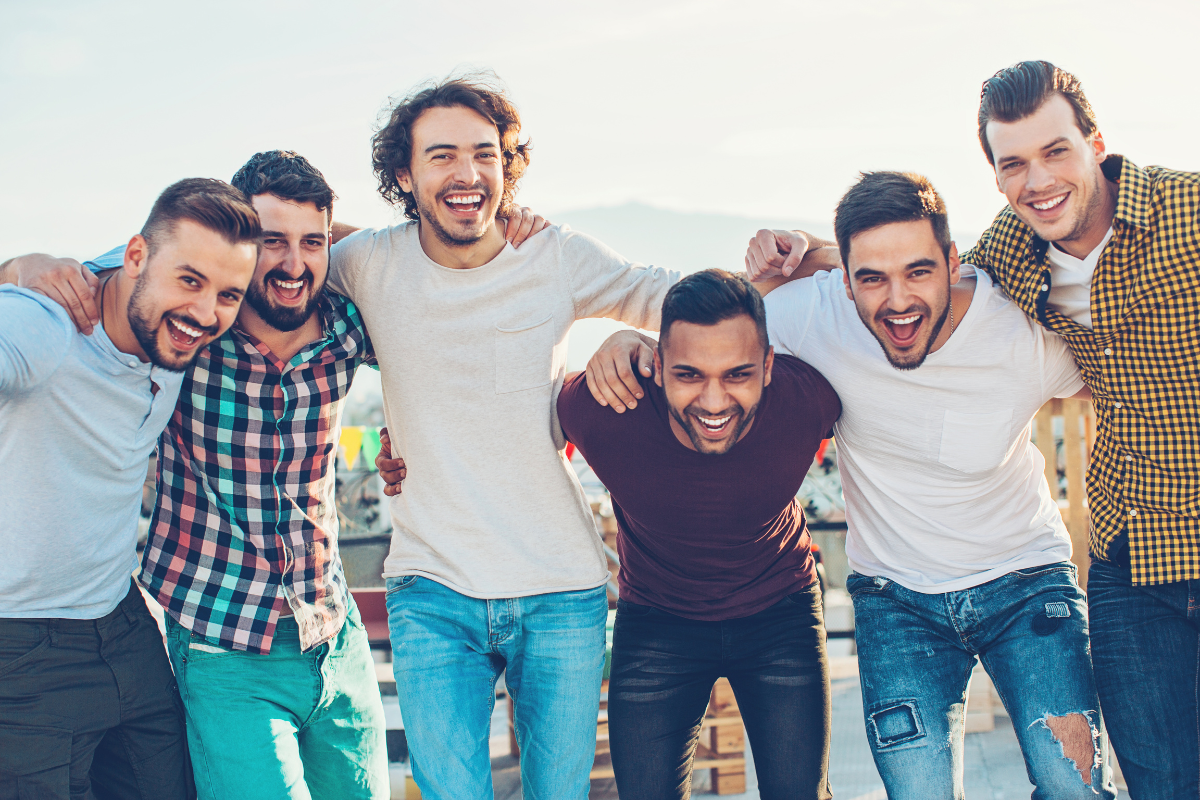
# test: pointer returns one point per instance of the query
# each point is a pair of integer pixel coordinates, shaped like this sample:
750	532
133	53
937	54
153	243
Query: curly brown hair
392	144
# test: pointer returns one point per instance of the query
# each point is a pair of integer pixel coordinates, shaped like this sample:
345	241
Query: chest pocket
524	354
974	442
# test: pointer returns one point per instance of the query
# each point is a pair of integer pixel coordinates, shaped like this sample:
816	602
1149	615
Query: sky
756	109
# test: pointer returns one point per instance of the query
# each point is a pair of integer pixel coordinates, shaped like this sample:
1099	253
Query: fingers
523	224
605	386
385	445
645	361
392	470
796	246
81	300
765	255
66	282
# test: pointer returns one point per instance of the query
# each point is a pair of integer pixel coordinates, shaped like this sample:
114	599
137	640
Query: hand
63	280
392	470
522	224
775	253
610	373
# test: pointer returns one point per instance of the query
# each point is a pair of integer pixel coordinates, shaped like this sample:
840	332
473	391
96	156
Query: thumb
791	262
645	361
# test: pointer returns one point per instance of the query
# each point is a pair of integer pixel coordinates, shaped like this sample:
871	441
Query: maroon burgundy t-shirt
708	537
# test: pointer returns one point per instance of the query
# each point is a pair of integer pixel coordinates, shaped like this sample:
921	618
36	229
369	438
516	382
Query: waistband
129	611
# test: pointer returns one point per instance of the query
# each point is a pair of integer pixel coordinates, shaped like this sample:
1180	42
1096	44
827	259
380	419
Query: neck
283	344
960	303
467	256
1084	244
117	289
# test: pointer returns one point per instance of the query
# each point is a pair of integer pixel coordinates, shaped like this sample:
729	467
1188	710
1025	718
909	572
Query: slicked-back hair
882	198
208	202
712	296
288	176
1016	92
392	144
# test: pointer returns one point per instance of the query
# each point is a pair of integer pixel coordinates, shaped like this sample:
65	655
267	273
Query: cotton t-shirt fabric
78	421
707	537
471	361
1071	281
944	489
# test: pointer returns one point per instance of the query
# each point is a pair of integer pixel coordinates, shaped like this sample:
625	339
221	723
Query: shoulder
796	381
110	260
35	336
32	313
582	418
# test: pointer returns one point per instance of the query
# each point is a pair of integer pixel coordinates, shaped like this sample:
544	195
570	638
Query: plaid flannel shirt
1141	359
246	521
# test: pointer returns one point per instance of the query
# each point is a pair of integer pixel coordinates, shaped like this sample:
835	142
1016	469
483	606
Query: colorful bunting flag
351	442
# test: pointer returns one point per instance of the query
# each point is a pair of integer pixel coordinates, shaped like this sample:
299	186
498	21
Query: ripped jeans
915	656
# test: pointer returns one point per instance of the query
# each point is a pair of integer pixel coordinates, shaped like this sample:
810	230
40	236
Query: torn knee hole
1078	739
896	724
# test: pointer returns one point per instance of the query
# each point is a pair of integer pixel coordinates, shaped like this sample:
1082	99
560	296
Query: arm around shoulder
605	284
35	334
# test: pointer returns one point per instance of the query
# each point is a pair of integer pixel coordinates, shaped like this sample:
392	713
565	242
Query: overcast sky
758	109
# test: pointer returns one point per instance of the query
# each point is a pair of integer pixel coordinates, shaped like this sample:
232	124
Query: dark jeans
1146	650
664	668
89	709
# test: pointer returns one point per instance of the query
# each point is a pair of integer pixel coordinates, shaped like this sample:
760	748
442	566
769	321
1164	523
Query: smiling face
457	175
187	293
900	281
292	264
1050	174
713	377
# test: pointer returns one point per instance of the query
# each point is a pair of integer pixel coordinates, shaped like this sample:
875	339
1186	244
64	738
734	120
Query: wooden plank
722	700
1044	433
728	739
1078	518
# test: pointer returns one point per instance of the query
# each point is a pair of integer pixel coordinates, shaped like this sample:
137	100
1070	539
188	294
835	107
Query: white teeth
192	332
905	320
714	423
469	199
1046	205
289	284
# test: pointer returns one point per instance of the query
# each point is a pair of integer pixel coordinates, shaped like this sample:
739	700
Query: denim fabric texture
916	651
448	652
285	724
1146	650
663	670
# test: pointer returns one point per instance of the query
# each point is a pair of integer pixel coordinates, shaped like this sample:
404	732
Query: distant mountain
672	239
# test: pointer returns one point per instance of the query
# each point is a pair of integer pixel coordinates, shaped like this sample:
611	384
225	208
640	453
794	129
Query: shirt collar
1134	190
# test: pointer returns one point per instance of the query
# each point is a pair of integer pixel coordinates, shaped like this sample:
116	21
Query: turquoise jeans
285	724
450	649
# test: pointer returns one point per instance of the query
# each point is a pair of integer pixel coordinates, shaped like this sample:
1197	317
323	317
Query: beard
705	445
912	359
145	329
444	235
283	318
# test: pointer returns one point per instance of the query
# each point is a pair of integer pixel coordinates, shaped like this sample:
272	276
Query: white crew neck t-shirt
944	489
471	362
1071	281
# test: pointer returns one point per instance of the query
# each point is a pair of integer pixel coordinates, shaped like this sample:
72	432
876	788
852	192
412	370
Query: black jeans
664	668
89	709
1146	654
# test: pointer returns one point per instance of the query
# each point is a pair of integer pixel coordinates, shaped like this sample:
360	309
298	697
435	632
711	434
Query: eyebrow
1057	141
480	146
282	235
203	277
920	262
689	368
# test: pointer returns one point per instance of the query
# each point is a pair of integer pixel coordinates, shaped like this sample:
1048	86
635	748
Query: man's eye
190	281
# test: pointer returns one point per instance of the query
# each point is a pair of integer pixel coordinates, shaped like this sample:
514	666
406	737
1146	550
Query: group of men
1087	284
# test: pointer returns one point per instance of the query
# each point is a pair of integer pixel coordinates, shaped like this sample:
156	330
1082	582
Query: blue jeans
663	670
1146	649
448	651
284	724
915	656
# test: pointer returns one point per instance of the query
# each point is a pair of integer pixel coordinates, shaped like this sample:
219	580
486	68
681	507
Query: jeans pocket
857	583
39	758
17	654
1045	569
628	609
808	598
397	584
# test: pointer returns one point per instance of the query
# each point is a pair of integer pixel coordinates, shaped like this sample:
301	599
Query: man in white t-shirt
957	548
495	561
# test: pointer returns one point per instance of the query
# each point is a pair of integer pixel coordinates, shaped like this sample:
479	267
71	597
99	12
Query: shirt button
1045	288
1129	458
1133	512
1117	404
1108	351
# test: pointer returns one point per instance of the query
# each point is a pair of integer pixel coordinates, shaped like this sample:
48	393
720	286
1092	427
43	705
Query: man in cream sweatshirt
495	563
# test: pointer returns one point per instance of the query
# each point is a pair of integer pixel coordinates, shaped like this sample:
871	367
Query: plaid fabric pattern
1141	359
246	522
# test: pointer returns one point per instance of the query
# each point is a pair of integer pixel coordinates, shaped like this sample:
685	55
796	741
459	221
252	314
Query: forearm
6	273
821	256
339	231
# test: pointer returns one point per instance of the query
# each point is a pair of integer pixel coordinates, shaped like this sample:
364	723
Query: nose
466	171
899	297
293	263
713	396
1038	177
203	309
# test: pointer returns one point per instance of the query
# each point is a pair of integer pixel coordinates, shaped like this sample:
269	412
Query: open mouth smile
183	337
903	330
288	291
465	203
714	427
1045	207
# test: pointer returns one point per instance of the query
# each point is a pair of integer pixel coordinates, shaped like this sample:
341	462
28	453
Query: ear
137	255
846	280
955	264
1098	147
404	178
770	362
658	366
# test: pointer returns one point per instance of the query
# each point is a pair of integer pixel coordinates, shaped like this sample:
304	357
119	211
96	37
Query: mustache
913	309
210	330
282	275
477	187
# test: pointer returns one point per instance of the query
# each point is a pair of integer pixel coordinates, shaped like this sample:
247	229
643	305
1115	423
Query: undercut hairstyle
288	176
392	144
712	296
882	198
208	202
1016	92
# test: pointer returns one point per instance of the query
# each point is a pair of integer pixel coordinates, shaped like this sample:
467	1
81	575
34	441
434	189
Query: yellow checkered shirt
1141	359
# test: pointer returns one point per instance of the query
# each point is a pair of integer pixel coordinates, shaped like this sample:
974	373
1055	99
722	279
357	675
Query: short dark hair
392	144
881	198
288	176
208	202
1018	91
712	296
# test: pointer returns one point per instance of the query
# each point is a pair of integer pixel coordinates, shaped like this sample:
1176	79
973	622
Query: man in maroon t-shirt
717	578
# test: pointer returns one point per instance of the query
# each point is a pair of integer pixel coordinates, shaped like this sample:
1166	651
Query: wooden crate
1079	434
